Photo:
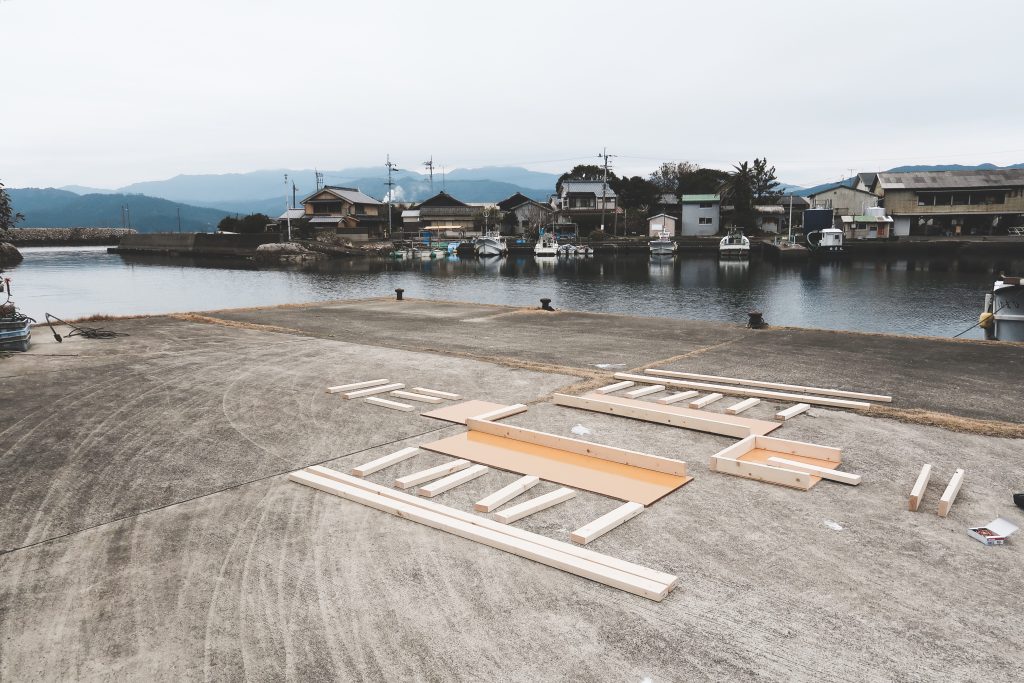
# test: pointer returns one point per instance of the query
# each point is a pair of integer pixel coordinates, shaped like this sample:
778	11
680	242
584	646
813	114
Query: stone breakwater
59	237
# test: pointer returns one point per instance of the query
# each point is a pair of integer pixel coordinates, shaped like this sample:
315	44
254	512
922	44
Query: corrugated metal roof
348	193
866	219
940	180
694	198
588	187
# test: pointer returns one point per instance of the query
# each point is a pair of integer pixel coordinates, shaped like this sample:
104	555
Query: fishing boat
547	245
663	245
826	241
567	250
15	328
584	250
491	243
735	245
1003	315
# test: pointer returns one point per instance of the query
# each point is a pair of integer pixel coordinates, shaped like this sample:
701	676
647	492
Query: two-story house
701	214
520	214
585	202
349	212
443	214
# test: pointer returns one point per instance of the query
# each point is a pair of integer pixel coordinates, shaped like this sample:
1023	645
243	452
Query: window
705	220
706	205
326	207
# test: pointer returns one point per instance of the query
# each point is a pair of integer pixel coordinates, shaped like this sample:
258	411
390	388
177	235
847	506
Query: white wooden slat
791	412
644	391
917	493
416	478
452	480
393	405
949	495
439	394
422	398
745	404
517	512
386	461
358	385
614	387
605	523
677	397
373	390
505	494
823	472
745	391
772	385
705	400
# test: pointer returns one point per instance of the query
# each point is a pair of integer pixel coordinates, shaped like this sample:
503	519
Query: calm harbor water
927	296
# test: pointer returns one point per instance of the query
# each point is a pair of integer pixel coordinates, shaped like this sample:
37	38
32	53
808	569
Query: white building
701	214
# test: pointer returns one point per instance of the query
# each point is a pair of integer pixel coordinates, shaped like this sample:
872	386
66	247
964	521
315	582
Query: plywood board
676	416
505	494
917	493
745	391
617	480
772	385
460	411
605	523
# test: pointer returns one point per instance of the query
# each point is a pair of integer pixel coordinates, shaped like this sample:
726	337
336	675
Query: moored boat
1003	316
827	241
663	244
547	245
491	244
735	245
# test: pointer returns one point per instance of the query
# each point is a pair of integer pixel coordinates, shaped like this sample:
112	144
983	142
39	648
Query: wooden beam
743	391
452	480
487	523
422	398
767	473
650	412
517	512
605	523
438	394
823	472
676	397
745	404
394	405
386	461
500	413
949	495
383	389
706	400
772	385
807	450
917	493
643	391
415	478
594	450
791	412
614	387
734	451
502	541
358	385
505	494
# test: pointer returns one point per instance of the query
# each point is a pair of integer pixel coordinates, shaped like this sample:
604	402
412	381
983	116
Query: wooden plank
502	541
452	480
415	478
387	461
487	523
505	494
527	508
745	404
734	451
643	391
791	412
823	472
459	412
383	389
766	473
439	394
917	493
744	391
422	398
358	385
949	495
614	387
676	397
807	450
394	405
594	450
500	413
605	523
772	385
676	416
706	400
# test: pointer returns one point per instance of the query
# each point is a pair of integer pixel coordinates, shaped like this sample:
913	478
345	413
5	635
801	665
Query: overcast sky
108	92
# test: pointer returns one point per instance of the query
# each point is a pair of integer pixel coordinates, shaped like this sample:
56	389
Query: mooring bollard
545	304
755	321
398	294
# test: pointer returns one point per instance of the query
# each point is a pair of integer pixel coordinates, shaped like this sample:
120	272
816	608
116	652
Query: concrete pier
147	529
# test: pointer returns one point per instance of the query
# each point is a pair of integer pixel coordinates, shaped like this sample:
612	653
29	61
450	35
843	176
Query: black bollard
755	321
545	304
398	294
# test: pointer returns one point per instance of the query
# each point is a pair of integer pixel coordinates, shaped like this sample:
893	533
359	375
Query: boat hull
1008	312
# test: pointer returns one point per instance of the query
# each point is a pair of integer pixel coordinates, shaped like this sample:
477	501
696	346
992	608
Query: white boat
567	250
547	245
584	250
663	244
1003	317
735	245
491	244
828	241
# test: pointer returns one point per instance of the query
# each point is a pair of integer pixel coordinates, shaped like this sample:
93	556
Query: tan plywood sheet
460	411
757	427
761	455
625	482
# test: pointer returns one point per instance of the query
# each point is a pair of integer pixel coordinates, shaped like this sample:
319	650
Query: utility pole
791	217
604	186
443	186
287	212
293	194
319	180
430	169
391	188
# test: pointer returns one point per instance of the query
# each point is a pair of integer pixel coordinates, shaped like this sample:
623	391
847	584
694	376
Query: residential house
443	214
872	224
662	222
522	215
952	202
346	211
701	214
769	217
844	200
584	202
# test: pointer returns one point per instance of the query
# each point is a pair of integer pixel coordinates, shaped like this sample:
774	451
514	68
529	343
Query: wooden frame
534	505
554	557
676	397
791	412
705	400
644	391
614	387
772	385
743	391
823	472
439	394
394	405
766	473
505	494
605	523
386	461
422	398
917	493
383	389
745	404
452	480
410	480
799	475
949	495
357	385
487	523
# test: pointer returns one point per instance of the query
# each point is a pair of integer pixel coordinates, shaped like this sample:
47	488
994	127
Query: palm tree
738	191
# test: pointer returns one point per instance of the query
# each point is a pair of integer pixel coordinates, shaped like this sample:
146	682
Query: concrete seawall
66	237
194	244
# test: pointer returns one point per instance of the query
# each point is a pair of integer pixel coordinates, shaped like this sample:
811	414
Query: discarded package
995	532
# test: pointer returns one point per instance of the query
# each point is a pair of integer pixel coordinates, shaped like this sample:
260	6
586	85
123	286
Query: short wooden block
823	472
949	495
605	523
517	512
452	480
386	461
383	389
438	394
415	478
644	391
614	387
791	412
707	400
503	495
917	493
394	405
357	385
422	398
737	408
676	397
